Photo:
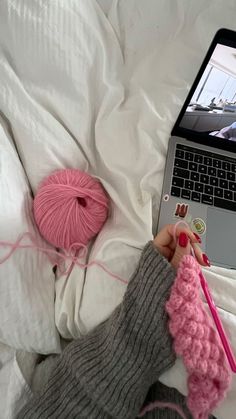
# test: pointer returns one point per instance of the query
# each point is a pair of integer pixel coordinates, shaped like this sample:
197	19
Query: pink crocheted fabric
197	342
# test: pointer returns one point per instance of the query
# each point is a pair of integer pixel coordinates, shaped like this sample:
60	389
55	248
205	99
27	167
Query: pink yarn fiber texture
197	342
70	208
162	405
55	258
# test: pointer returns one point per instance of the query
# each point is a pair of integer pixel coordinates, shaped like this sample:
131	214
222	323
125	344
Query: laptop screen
212	107
209	112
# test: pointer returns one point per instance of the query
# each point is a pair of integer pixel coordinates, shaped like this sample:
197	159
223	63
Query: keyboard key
228	195
232	186
225	165
233	168
213	181
216	163
196	196
188	184
218	192
221	174
224	203
202	168
207	161
224	184
181	173
198	187
204	179
211	171
207	199
208	190
194	176
181	163
198	158
188	156
175	191
179	154
193	167
230	176
185	193
177	181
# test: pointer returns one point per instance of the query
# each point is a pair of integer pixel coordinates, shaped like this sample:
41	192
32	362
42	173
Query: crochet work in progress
197	342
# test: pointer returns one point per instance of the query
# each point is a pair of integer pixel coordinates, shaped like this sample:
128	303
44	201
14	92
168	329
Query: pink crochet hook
225	342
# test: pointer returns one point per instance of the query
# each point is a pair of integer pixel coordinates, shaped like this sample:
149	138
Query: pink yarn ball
70	208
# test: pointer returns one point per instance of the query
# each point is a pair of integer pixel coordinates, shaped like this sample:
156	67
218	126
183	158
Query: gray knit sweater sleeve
107	373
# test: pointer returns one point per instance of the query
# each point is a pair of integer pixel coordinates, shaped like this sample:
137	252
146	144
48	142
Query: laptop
200	175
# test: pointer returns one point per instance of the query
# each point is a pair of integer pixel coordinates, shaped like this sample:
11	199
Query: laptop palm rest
221	238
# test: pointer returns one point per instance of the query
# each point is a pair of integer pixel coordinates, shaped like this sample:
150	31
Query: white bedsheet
163	45
100	91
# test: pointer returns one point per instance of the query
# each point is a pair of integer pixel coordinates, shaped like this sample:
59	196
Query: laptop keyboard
204	177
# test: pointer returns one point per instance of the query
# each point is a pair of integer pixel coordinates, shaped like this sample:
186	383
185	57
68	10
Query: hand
174	248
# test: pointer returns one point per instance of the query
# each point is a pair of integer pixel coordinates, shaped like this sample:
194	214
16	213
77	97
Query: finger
193	237
164	242
165	236
183	248
200	256
166	252
170	233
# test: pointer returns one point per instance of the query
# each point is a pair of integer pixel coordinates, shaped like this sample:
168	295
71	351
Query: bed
95	85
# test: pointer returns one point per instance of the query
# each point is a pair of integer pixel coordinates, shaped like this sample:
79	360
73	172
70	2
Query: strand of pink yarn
59	256
75	260
162	405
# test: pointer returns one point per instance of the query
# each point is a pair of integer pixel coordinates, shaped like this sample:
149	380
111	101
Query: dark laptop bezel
228	38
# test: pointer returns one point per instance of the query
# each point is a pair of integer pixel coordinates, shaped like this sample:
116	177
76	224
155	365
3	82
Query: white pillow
26	278
62	90
46	99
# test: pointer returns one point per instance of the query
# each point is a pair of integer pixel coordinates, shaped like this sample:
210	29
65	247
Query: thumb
183	248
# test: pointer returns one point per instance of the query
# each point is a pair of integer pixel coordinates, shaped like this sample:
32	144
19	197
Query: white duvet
98	86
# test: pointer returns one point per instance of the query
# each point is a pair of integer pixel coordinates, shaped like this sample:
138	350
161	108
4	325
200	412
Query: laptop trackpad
221	237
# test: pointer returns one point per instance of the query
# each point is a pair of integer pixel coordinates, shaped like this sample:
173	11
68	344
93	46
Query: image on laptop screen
212	108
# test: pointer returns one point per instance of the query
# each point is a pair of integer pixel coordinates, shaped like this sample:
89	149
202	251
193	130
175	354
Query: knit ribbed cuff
133	346
107	373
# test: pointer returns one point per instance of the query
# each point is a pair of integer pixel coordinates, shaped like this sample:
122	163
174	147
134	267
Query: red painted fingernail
206	260
197	237
183	239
